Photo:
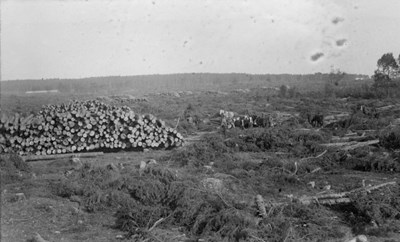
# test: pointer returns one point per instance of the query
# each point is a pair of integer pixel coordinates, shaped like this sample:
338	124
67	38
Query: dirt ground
55	218
236	158
63	219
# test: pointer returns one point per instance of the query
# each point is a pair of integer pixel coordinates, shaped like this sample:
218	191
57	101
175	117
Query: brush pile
84	126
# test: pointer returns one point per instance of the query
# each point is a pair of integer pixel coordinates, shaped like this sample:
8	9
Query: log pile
81	127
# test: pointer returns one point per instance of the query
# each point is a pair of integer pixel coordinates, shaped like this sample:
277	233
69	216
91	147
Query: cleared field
312	183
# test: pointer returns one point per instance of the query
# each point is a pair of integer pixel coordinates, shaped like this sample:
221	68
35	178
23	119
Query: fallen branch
385	108
351	138
177	123
336	118
155	224
314	157
304	129
350	145
339	116
61	156
361	144
351	134
365	132
339	198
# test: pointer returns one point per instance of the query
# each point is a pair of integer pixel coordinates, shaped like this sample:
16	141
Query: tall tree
387	65
387	74
398	60
335	76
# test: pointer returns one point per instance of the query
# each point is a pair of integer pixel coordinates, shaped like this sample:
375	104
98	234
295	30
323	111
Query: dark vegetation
117	85
225	211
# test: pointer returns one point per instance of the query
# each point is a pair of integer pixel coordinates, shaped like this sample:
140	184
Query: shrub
281	139
13	168
390	138
283	89
375	163
381	207
211	148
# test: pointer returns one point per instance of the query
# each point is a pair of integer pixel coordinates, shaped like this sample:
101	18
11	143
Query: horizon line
183	73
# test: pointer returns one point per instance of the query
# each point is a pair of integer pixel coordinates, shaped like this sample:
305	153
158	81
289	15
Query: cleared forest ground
207	189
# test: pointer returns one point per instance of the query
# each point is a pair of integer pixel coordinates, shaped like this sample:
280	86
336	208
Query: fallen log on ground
313	157
61	156
351	145
305	130
339	198
386	108
351	138
335	118
366	132
361	144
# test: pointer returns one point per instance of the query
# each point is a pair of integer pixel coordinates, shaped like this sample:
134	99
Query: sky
87	38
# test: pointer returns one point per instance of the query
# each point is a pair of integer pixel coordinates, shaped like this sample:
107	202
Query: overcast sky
73	39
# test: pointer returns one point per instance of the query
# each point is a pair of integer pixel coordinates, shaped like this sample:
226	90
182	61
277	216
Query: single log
351	138
361	144
61	156
385	108
350	145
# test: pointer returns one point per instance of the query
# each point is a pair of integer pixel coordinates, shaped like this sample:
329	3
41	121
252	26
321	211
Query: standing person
224	124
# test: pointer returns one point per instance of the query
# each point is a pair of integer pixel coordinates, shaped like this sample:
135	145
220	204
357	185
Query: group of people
230	120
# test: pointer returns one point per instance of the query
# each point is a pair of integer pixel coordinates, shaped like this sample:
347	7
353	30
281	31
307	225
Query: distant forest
138	85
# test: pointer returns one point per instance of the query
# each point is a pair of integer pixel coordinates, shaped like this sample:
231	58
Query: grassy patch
376	213
140	198
13	168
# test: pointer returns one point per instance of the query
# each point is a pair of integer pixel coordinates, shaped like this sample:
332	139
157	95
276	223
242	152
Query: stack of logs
84	126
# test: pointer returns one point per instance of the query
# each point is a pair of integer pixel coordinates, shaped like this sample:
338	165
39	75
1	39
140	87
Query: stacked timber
84	126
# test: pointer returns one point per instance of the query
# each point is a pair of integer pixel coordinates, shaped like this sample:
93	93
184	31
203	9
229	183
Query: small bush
13	168
211	148
14	161
275	139
383	208
67	188
390	138
94	184
296	222
363	160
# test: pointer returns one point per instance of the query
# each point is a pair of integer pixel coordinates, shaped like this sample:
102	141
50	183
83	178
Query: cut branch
156	223
315	157
339	198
